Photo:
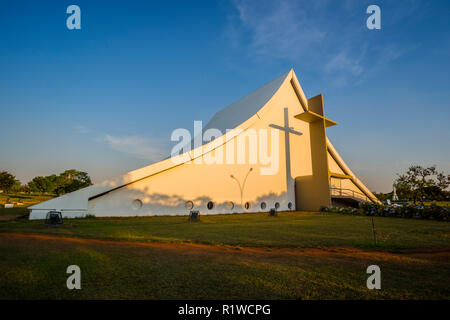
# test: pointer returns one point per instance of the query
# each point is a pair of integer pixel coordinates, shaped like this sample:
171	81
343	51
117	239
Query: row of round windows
189	205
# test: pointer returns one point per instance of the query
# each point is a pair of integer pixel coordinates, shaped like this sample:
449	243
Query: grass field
288	230
248	256
12	213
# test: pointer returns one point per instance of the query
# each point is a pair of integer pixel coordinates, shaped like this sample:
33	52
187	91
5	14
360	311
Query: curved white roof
228	118
243	109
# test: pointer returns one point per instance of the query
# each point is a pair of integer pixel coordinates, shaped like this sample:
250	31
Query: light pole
241	188
372	213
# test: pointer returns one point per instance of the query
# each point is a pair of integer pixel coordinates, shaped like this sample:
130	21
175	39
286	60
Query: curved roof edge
236	117
241	110
349	172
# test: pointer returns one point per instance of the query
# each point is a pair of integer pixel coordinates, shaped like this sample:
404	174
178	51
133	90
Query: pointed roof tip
244	108
228	118
292	74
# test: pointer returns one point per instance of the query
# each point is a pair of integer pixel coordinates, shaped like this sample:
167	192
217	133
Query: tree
80	180
72	180
7	181
43	184
17	186
418	183
433	192
68	181
26	188
383	196
403	189
443	180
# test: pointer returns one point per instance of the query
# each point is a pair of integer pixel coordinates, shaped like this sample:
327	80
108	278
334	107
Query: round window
247	205
277	205
136	204
189	205
230	205
263	205
290	205
210	205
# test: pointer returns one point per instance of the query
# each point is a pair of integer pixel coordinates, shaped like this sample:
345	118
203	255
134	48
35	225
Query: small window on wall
136	204
290	205
247	205
230	205
277	205
189	205
210	205
263	205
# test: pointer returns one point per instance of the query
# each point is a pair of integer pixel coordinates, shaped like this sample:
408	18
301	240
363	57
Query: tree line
420	183
67	181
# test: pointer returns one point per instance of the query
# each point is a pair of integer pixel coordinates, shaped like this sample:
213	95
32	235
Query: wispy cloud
279	29
143	148
151	149
342	67
81	129
327	37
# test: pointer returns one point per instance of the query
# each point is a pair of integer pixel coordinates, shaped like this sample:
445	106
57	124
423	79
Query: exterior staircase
347	197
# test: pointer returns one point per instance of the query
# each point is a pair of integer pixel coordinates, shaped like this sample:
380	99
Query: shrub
433	211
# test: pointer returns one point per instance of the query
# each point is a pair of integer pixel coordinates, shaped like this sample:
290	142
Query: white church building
267	150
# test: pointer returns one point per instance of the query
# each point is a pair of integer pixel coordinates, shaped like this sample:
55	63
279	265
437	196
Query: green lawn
15	211
257	230
12	213
292	256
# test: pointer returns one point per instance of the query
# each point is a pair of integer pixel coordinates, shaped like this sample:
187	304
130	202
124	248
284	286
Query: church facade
268	150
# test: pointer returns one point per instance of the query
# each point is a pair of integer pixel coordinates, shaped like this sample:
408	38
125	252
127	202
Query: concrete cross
286	127
287	130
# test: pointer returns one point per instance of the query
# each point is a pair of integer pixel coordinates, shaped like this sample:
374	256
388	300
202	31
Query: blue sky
105	99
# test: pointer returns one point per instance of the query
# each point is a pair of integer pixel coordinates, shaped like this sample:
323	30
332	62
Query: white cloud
279	29
140	147
342	62
326	37
143	148
81	129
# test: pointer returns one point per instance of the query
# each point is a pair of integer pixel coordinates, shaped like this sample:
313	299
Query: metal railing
342	192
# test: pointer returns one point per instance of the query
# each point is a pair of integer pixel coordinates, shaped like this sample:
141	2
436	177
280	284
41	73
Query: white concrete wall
164	189
37	214
166	193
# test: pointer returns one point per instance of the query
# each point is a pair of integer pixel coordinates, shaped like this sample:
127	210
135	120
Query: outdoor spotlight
53	219
194	215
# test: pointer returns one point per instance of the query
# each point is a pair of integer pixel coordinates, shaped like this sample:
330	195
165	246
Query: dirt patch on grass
195	248
34	267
